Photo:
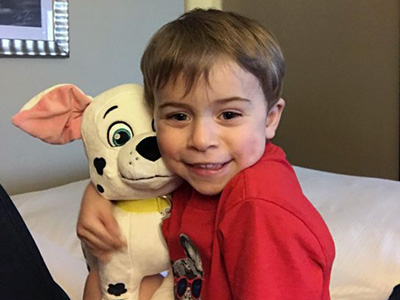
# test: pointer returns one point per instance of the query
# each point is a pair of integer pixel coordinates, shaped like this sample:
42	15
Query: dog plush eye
119	133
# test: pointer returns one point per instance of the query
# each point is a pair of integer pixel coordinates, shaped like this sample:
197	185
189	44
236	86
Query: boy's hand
96	226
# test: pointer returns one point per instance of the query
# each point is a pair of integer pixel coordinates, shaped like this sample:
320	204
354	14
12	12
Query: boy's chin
208	189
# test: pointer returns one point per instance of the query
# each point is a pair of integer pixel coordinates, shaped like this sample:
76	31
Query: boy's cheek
167	146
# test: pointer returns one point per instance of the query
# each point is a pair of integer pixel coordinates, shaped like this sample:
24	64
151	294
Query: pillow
364	218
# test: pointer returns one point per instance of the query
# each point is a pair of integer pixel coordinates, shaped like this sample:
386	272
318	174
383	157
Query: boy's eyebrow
230	99
219	101
109	110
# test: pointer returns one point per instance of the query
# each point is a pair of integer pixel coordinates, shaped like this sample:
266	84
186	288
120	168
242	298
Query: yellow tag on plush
157	204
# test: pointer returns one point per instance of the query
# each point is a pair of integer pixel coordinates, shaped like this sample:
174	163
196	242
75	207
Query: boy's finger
93	233
113	231
102	255
99	238
95	245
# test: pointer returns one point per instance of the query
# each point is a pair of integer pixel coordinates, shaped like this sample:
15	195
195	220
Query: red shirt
260	239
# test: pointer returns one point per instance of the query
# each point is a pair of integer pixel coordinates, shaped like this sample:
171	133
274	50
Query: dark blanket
23	273
396	293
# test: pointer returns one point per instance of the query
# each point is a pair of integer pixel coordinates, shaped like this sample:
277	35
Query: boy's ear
273	118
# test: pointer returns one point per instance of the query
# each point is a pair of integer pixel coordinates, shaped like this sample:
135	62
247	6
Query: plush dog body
125	165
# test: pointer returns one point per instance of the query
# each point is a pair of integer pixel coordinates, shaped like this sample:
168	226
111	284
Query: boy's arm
96	225
268	251
98	229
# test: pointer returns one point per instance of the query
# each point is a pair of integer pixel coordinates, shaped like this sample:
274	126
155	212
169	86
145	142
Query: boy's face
217	130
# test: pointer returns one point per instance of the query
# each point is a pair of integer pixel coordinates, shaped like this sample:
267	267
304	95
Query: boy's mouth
208	166
145	178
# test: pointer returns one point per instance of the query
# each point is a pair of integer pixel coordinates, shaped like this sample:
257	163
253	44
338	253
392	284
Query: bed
362	213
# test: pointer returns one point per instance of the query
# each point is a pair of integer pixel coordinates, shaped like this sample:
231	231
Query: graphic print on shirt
188	272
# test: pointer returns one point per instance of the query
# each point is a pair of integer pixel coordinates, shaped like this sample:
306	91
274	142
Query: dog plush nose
148	148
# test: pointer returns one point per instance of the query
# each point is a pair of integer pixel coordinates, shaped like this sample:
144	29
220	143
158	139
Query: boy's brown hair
190	45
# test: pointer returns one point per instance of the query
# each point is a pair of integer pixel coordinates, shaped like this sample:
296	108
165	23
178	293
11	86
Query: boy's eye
230	115
178	117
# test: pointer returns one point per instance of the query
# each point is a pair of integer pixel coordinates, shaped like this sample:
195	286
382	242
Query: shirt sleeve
269	253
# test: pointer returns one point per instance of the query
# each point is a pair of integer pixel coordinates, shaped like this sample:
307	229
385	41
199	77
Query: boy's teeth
208	166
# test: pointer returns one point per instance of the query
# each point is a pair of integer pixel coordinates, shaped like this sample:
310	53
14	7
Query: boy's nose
203	135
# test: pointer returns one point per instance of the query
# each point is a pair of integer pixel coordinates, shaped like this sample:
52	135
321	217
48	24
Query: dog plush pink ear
54	115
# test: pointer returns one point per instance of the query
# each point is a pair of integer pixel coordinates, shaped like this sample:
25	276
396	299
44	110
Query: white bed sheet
363	217
362	214
51	217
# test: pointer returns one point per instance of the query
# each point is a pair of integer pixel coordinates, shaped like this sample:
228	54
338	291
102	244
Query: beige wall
342	83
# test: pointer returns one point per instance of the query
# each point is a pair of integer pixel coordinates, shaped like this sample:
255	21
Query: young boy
240	226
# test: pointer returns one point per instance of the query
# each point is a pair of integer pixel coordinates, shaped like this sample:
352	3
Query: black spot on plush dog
99	164
100	189
116	289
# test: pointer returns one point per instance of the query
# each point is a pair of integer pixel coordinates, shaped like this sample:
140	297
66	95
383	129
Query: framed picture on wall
34	28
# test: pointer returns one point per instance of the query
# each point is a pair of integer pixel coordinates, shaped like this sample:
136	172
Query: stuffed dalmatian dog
125	165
